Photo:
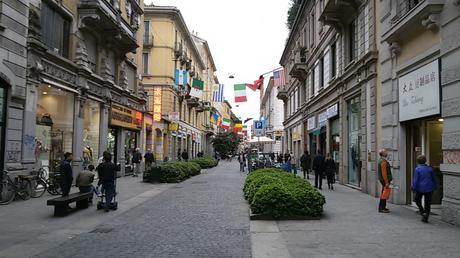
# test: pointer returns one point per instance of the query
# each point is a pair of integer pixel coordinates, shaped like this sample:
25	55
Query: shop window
90	143
112	143
55	29
130	146
54	131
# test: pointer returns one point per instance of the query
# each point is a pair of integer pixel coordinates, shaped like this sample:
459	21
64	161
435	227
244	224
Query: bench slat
69	199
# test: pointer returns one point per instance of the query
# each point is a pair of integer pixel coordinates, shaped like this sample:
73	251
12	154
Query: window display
90	143
54	131
112	143
130	146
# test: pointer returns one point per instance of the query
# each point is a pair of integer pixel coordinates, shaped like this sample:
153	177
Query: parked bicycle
44	183
9	189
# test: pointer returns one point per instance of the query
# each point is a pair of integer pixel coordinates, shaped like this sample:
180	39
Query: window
321	72
145	63
352	40
55	30
312	83
147	31
313	30
333	60
174	104
326	68
317	76
131	75
91	49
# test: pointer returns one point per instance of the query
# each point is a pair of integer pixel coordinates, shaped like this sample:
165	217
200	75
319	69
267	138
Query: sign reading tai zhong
419	93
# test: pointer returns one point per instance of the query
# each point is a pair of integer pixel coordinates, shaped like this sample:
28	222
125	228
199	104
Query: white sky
246	38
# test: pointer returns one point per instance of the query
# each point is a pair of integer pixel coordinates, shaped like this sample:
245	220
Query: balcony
178	50
104	17
193	102
413	15
337	12
299	70
200	108
282	93
148	41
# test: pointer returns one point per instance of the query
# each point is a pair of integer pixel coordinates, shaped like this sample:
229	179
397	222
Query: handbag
386	193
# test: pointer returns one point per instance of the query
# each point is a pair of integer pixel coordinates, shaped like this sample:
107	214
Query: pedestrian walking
107	172
179	154
84	181
384	173
149	159
423	185
136	160
242	161
305	163
66	174
185	156
319	167
287	157
279	159
330	171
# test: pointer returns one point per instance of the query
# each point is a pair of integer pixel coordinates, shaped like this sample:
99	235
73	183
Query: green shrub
206	162
193	167
172	172
280	194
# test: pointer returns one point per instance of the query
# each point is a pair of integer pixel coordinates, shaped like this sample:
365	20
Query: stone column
103	128
120	151
77	149
29	125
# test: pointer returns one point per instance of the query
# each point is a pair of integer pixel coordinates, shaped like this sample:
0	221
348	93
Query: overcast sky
246	38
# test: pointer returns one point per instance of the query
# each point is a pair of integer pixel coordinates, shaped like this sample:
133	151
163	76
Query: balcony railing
405	7
148	40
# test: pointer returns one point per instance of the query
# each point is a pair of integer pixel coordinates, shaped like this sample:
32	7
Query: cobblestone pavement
206	216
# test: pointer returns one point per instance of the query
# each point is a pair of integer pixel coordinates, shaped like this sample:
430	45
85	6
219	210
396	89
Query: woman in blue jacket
423	185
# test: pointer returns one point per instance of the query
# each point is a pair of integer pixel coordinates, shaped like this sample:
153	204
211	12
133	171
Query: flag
279	77
218	95
240	93
181	77
226	123
214	118
219	122
197	88
257	84
245	129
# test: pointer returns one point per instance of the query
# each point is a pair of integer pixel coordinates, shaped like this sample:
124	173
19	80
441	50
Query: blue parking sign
258	125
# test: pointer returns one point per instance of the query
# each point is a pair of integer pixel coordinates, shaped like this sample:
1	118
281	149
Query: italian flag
238	127
197	88
240	93
245	129
226	123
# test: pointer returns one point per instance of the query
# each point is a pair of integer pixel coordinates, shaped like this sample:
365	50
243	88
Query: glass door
354	113
434	155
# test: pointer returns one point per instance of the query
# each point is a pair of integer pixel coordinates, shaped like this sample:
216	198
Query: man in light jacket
385	178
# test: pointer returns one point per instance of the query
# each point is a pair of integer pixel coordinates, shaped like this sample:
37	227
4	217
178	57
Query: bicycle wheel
7	194
39	189
25	189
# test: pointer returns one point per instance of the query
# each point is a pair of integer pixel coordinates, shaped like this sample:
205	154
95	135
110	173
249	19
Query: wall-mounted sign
148	121
157	94
174	116
278	133
322	119
125	117
173	127
419	93
333	111
193	136
311	123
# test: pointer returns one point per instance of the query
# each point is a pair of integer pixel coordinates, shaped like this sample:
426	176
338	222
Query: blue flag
181	77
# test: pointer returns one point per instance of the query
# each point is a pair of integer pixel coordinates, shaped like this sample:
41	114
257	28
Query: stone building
83	92
330	96
272	109
420	95
13	63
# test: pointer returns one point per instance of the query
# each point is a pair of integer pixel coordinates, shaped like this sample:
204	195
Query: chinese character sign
157	104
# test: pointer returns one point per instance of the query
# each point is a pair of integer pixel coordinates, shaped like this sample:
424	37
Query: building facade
172	58
420	95
82	91
330	61
272	109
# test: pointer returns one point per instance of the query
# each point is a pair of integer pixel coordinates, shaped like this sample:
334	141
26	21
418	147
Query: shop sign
148	121
172	127
278	132
174	116
296	136
333	111
193	136
157	94
419	93
311	123
125	117
322	119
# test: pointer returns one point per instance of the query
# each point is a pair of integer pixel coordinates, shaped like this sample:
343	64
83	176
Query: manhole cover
101	230
236	232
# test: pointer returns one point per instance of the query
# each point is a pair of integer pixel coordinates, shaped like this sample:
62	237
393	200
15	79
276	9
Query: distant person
185	156
319	167
330	171
272	156
287	166
384	173
279	159
305	163
423	185
84	181
166	159
287	157
136	160
242	161
149	159
107	172
66	174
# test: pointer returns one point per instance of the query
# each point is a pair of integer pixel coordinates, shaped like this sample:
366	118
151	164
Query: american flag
218	94
279	78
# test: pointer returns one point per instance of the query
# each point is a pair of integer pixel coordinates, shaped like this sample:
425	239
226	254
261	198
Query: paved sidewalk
204	216
352	227
28	227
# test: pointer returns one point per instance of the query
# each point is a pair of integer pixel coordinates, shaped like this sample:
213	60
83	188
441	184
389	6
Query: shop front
124	136
334	133
3	98
419	115
353	148
91	128
148	121
312	141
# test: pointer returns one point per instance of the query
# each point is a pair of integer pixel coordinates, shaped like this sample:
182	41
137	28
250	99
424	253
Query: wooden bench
61	203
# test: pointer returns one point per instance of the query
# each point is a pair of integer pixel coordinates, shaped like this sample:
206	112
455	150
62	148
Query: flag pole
271	71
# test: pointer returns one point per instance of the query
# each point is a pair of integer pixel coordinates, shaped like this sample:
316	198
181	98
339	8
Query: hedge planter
274	194
172	172
206	162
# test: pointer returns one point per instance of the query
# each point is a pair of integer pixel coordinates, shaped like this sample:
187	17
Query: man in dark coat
149	159
66	175
305	163
185	156
319	167
107	172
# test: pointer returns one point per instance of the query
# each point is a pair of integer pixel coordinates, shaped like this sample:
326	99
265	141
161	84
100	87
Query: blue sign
258	125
